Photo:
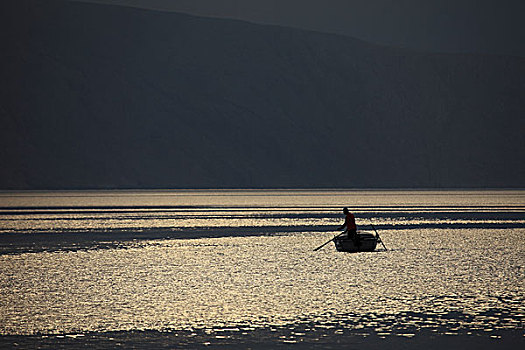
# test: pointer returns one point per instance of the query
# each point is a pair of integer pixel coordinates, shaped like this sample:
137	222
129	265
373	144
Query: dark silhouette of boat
366	242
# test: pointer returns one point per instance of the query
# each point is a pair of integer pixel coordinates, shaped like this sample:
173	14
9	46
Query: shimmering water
235	261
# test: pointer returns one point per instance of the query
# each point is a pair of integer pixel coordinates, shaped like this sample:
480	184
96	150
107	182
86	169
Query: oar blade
377	235
316	249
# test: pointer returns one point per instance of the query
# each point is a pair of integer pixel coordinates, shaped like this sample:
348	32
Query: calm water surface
235	261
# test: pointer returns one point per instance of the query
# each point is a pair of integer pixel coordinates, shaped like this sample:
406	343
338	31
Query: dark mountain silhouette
99	96
459	26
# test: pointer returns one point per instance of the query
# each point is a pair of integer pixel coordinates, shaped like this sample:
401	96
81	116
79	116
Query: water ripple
263	281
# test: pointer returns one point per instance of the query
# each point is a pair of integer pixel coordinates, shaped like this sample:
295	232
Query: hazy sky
486	26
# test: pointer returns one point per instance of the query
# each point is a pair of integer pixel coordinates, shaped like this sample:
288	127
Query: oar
377	234
316	249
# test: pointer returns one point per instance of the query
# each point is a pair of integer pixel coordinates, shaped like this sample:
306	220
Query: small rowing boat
366	242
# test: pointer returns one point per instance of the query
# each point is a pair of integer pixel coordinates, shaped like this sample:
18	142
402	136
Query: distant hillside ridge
96	96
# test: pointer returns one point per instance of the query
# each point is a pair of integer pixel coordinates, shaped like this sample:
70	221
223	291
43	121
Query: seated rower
351	228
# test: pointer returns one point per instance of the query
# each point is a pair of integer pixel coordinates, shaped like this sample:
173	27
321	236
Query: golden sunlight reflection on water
425	276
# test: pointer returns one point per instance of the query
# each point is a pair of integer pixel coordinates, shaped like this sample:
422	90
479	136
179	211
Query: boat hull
366	242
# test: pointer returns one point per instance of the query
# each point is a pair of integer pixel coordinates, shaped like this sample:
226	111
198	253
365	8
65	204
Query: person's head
345	210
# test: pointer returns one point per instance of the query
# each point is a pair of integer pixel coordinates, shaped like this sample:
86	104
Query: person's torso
350	222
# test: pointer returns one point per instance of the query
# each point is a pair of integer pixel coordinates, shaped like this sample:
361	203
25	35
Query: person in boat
351	228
